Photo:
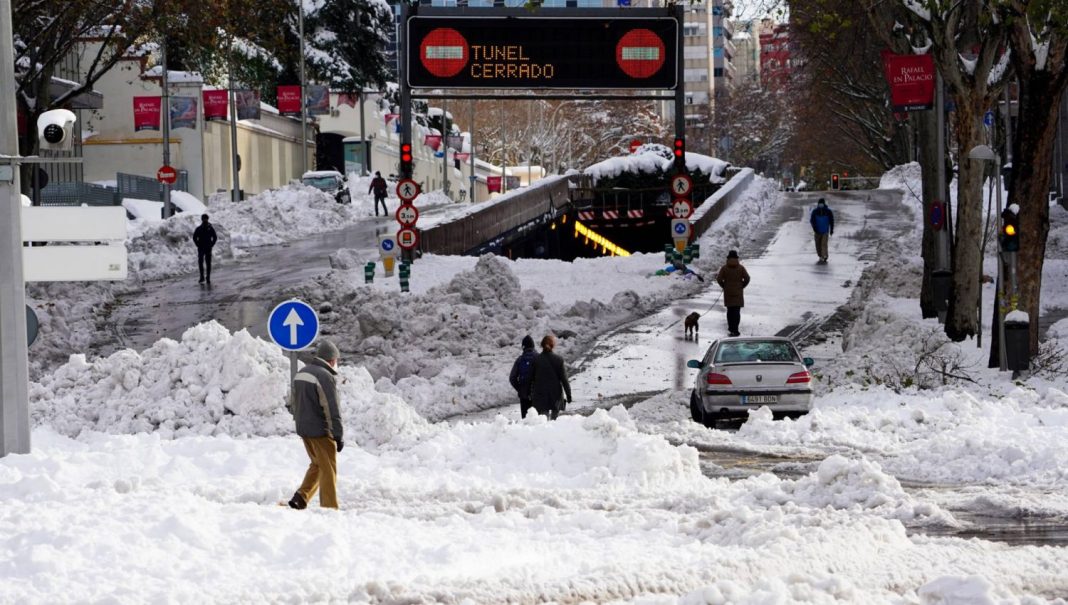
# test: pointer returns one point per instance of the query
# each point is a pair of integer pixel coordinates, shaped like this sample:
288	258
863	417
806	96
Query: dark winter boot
297	502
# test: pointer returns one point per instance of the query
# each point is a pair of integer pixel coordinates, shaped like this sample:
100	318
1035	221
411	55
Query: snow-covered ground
155	474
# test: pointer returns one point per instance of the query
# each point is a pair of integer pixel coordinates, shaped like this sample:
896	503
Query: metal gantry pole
303	106
1002	357
445	146
471	147
168	209
14	363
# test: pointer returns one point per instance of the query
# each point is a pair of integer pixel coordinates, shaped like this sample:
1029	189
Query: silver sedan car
742	374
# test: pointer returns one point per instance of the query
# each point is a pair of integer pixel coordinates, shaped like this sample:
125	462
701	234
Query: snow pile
210	383
909	179
651	162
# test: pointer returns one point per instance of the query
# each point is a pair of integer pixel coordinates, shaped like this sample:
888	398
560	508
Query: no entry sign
551	49
167	174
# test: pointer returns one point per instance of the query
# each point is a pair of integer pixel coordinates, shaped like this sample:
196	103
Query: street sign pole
14	362
168	209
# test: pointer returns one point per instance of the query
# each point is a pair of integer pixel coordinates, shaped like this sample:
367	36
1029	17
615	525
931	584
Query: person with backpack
822	221
549	384
522	372
204	239
379	187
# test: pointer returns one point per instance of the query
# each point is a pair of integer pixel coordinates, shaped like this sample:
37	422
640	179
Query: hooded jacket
733	278
822	219
315	403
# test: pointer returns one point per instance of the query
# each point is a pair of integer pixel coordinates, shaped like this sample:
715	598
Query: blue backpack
525	371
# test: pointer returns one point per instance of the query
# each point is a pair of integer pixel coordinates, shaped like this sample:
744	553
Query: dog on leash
691	325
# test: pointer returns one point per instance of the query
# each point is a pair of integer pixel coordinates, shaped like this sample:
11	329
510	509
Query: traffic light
406	160
835	183
680	153
1010	230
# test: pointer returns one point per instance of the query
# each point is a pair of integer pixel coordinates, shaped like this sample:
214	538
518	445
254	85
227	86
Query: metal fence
76	194
147	188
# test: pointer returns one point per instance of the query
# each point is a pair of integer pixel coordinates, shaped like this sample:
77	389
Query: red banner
911	79
493	184
215	105
389	117
147	112
463	157
347	98
433	141
289	100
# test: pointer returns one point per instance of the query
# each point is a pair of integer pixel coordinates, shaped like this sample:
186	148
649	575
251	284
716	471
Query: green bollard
404	284
369	273
697	250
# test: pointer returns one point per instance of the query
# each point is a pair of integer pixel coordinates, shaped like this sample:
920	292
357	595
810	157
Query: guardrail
147	188
76	194
490	219
719	201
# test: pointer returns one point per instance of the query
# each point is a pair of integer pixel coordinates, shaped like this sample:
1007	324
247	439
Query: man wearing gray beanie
316	412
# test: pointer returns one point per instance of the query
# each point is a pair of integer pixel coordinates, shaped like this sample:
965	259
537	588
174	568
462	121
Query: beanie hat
528	342
822	201
327	351
732	254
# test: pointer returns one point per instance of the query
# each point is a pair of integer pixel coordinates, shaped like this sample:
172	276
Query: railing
495	217
146	188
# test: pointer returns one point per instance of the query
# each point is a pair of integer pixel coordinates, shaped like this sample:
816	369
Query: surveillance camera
55	129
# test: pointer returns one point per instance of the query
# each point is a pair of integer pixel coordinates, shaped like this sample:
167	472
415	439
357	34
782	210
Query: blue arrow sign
293	325
680	229
988	118
387	245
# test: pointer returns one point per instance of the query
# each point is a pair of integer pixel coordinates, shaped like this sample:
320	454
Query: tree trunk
927	140
1040	99
962	319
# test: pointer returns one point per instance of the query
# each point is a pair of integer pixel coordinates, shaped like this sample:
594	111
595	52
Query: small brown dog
691	325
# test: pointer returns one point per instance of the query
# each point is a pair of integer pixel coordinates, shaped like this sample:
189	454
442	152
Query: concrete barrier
713	207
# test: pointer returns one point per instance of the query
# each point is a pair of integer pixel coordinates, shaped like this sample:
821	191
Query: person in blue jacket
822	221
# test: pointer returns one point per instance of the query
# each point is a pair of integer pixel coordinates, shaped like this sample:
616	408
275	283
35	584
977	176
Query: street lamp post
986	154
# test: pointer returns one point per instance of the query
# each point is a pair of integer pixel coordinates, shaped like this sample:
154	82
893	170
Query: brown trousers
322	472
821	245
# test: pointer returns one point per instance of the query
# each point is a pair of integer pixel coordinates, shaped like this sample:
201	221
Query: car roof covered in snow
318	174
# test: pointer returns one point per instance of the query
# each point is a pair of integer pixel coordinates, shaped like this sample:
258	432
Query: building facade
776	63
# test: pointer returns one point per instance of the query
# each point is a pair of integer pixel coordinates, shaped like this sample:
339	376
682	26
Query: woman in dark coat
550	384
733	278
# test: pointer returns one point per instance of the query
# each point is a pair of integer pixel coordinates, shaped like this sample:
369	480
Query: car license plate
760	398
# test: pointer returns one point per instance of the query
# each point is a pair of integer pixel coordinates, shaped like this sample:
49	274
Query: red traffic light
406	152
680	147
835	185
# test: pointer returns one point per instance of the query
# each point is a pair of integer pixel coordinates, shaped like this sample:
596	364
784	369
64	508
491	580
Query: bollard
669	249
696	250
369	272
404	284
1017	342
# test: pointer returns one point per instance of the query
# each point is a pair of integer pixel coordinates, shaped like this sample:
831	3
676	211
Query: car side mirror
693	363
809	361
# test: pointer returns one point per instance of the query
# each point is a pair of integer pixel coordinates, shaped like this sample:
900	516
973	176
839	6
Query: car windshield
325	183
750	350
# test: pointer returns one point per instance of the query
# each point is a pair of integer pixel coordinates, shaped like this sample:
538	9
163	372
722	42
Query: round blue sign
293	325
387	245
988	118
680	229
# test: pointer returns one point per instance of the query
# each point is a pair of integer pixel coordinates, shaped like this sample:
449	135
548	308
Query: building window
718	72
717	52
717	10
717	32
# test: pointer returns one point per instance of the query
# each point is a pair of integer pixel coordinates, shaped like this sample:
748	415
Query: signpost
680	232
681	208
388	250
407	238
167	175
681	185
407	190
407	215
293	325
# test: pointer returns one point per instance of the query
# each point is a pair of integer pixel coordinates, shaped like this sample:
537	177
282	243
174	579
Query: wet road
243	292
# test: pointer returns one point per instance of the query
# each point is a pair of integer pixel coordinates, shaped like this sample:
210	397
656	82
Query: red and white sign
147	111
640	53
912	81
407	238
635	213
215	104
681	185
289	100
443	52
407	215
432	141
167	174
681	208
586	215
634	145
407	189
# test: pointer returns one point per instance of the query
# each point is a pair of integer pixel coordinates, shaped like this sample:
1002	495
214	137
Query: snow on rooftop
652	162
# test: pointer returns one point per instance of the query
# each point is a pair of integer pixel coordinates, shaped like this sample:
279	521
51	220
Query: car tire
696	413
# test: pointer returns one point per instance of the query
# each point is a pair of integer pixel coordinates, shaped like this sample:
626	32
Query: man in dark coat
523	373
378	188
204	237
733	278
550	381
822	221
315	410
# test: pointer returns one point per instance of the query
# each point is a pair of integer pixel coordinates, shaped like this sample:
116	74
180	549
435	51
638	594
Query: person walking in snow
822	221
733	278
378	188
204	238
316	411
550	384
522	372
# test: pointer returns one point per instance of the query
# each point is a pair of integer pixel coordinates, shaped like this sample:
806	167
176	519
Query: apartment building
746	41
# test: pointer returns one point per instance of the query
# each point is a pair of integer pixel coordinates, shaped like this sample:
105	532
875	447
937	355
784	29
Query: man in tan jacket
315	409
733	278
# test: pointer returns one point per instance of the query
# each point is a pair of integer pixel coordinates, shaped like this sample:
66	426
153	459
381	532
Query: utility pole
235	163
471	147
364	146
14	363
445	146
303	106
168	209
